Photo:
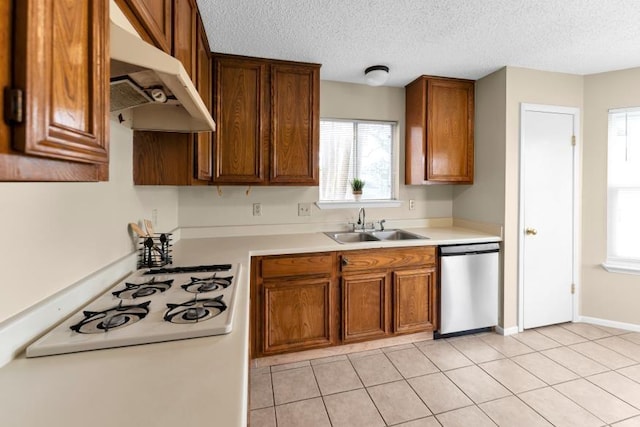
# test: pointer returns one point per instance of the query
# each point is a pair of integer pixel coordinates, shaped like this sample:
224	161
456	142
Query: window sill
350	204
628	267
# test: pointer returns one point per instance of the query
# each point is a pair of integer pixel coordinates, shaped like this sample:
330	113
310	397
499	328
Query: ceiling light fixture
376	75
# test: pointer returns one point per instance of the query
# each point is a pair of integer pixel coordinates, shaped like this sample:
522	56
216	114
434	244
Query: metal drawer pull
531	231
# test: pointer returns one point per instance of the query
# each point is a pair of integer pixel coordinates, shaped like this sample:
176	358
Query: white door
547	215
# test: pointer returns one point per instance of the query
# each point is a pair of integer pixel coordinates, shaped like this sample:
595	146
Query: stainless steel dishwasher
468	288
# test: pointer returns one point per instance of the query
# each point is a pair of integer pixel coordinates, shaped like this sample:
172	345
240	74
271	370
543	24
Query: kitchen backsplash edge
203	232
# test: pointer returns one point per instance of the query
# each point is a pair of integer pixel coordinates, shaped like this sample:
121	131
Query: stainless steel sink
351	237
396	235
372	236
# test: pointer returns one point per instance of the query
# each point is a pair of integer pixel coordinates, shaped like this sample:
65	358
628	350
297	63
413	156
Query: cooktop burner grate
194	269
195	311
143	290
213	283
96	322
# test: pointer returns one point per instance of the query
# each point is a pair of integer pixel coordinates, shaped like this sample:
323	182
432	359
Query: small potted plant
356	187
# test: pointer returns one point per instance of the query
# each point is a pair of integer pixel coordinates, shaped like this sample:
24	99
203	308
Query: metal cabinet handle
345	261
531	231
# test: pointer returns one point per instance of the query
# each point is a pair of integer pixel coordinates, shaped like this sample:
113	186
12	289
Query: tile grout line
433	414
273	395
365	387
324	404
581	354
625	375
579	405
605	347
619	397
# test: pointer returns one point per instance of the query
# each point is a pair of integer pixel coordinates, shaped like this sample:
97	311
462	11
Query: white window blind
623	203
356	149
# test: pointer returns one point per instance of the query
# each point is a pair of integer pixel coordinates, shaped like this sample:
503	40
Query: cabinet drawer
303	265
387	258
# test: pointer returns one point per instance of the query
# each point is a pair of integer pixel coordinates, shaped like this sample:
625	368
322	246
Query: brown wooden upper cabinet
58	105
267	115
185	34
165	158
439	131
152	20
203	154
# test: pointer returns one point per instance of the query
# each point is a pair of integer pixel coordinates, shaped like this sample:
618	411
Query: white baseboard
610	323
508	331
18	331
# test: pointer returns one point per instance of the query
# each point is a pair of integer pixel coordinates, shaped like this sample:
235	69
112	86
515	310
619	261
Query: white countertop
200	381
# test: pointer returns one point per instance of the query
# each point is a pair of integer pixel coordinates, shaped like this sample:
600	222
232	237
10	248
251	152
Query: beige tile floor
573	374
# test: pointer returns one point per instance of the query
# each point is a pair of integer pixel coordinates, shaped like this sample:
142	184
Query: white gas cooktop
151	305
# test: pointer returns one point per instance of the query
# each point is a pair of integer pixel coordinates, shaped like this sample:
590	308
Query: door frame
577	198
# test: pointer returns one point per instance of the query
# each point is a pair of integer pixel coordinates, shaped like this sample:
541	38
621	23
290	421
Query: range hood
153	87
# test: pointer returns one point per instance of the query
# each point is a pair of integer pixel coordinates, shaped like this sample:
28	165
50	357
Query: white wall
202	206
484	200
611	296
58	233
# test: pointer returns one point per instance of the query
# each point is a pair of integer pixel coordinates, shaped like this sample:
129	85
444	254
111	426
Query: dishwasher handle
469	249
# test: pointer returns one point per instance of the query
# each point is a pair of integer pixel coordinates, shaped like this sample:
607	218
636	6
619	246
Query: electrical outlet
304	209
412	204
257	209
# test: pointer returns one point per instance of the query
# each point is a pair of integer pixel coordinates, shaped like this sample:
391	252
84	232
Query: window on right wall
357	149
623	191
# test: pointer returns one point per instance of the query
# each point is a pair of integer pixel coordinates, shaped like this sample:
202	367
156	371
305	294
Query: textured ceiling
454	38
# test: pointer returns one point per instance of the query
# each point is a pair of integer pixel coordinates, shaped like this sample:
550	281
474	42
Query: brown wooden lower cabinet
414	300
306	301
297	314
293	303
364	306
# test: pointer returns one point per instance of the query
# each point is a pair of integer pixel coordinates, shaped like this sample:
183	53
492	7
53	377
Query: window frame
395	168
614	263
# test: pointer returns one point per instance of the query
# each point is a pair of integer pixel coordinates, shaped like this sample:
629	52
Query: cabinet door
63	70
184	34
241	112
295	124
203	151
296	314
450	131
152	20
364	306
414	300
162	158
439	131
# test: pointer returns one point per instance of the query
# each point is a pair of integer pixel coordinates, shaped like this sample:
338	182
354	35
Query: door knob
531	231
